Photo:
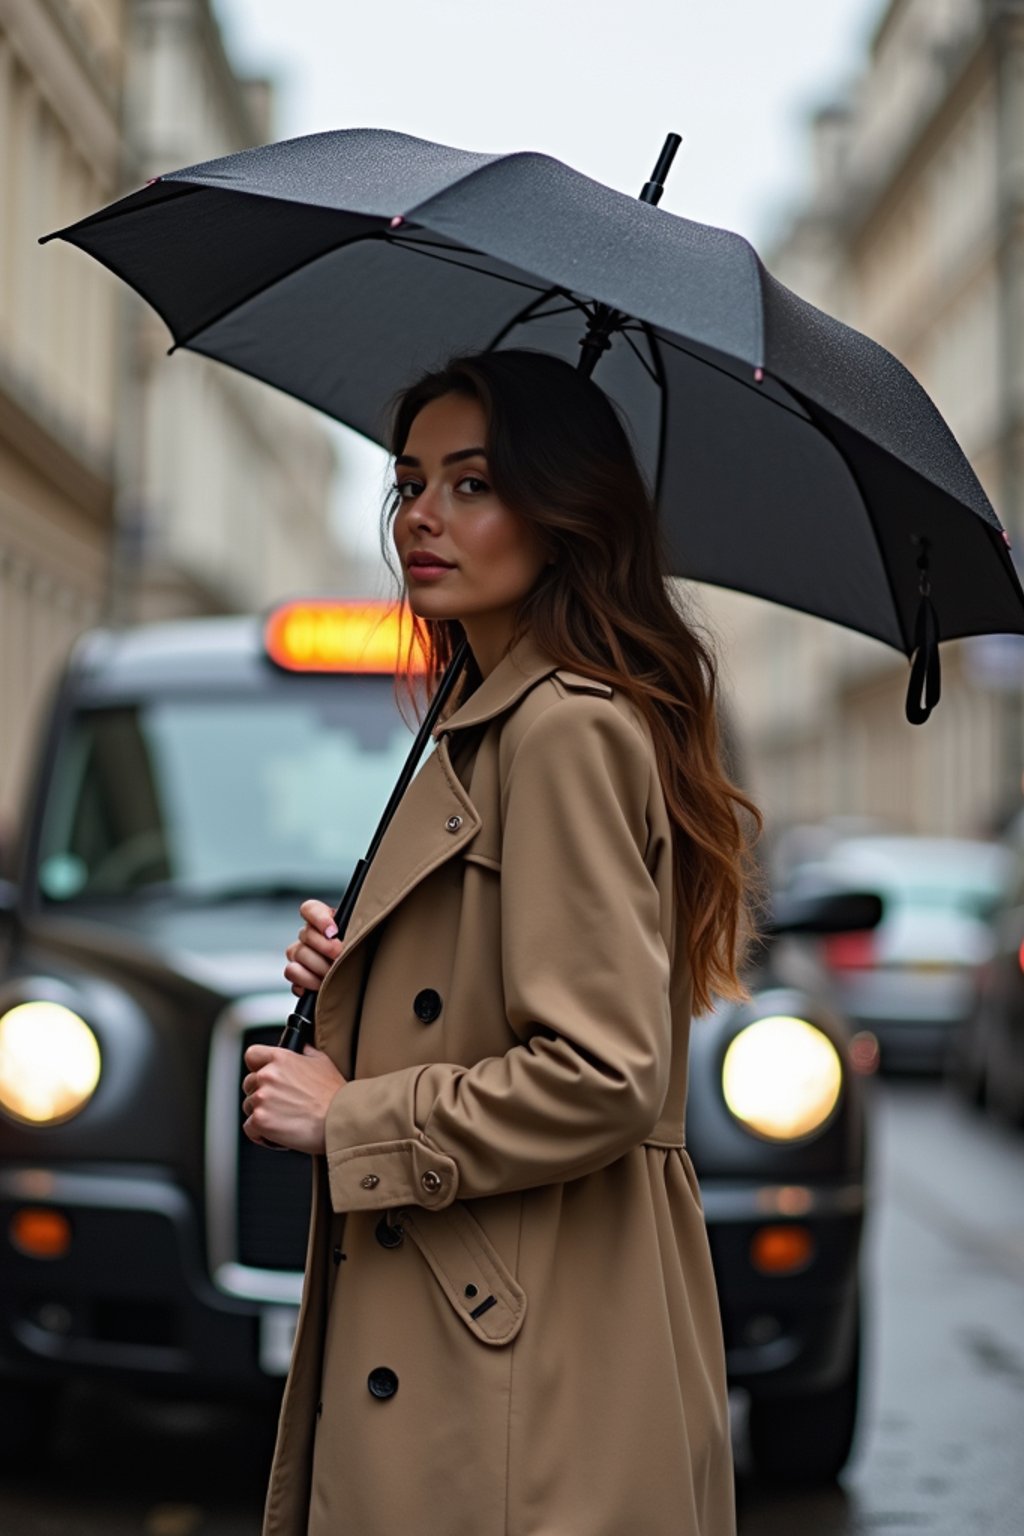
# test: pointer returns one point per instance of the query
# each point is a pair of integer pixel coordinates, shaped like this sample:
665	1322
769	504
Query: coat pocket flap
469	1270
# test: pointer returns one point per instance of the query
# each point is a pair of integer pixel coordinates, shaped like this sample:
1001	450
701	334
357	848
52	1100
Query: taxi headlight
49	1063
781	1078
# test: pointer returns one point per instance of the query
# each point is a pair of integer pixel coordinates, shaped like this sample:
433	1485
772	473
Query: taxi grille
273	1191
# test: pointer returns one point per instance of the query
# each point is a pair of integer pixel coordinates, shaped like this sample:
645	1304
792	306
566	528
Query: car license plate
277	1335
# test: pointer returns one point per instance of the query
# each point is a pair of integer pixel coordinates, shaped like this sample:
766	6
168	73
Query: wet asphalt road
941	1444
940	1447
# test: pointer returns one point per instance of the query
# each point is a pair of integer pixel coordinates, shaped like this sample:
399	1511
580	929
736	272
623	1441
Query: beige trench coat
509	1324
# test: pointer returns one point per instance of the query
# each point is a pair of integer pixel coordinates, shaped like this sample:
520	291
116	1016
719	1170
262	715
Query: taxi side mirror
824	911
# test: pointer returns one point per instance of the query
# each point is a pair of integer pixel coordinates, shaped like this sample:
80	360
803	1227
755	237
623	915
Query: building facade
61	154
913	232
131	485
225	482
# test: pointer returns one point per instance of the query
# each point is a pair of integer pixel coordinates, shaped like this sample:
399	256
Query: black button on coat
427	1005
382	1382
389	1236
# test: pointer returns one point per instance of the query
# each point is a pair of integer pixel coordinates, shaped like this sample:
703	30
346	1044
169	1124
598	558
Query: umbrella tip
396	221
758	375
1006	539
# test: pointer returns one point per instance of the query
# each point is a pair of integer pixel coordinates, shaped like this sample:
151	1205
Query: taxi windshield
221	797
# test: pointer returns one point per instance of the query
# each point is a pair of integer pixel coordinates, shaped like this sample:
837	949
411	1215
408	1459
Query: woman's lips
425	568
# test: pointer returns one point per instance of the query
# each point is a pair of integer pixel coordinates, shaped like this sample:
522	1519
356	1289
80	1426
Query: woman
509	1325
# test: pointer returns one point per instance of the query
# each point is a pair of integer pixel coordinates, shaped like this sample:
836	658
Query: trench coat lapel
435	821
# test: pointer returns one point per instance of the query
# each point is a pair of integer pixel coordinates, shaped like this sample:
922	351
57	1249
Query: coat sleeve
586	985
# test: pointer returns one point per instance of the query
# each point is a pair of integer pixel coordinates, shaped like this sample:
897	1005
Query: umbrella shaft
655	187
598	338
298	1030
604	320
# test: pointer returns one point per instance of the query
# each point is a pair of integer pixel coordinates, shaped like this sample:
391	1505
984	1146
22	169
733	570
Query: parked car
987	1059
189	790
911	980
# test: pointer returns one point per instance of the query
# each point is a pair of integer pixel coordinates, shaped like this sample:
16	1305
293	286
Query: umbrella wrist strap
925	683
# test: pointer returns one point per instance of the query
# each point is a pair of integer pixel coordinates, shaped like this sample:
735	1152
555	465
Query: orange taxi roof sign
325	635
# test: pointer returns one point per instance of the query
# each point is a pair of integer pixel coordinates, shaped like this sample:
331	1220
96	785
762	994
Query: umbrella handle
298	1030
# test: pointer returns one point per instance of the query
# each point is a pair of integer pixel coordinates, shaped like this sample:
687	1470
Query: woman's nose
425	511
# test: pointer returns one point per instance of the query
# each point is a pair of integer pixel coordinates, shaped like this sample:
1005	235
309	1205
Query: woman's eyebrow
409	462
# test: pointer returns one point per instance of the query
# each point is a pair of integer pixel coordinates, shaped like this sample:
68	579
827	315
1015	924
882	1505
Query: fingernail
331	931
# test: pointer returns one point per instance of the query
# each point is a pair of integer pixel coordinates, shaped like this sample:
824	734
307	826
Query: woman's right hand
315	950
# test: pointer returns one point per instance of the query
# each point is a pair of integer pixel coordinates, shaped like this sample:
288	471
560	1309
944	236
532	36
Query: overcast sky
597	83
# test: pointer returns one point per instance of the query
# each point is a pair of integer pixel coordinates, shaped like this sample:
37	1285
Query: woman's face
464	553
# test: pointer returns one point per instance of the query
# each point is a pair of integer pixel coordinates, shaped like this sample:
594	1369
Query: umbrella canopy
791	457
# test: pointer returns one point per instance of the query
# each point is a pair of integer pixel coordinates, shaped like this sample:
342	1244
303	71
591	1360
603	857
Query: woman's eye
406	490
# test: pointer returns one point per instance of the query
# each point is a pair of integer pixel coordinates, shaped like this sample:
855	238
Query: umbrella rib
533	312
744	383
547	314
907	646
115	211
332	250
636	351
809	416
659	366
424	248
279	277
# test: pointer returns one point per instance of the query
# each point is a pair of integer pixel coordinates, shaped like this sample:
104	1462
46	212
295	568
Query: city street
939	1448
940	1444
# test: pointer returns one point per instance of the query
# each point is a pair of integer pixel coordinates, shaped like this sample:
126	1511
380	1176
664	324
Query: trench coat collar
516	673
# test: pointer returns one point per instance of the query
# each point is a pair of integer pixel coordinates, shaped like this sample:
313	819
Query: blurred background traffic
136	488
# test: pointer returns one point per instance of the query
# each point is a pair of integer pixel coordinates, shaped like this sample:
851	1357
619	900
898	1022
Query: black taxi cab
194	781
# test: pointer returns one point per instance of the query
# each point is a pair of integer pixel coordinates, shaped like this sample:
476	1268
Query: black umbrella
791	457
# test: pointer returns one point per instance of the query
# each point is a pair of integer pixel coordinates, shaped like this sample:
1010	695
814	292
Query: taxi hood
227	950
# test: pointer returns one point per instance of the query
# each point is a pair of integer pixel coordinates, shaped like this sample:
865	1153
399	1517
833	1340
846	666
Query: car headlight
49	1063
782	1077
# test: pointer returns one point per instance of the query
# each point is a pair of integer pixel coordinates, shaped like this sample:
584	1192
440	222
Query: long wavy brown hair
559	456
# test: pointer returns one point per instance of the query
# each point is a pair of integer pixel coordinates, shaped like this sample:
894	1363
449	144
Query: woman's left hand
287	1097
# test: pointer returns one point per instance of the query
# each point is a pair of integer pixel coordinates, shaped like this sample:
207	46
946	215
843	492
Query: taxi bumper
786	1332
130	1297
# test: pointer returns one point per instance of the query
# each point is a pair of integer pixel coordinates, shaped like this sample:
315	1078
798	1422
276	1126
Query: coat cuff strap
389	1173
376	1155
